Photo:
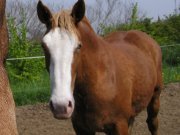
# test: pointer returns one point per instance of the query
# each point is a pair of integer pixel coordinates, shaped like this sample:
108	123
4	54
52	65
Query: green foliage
31	92
19	47
30	82
171	55
28	79
171	74
165	32
134	16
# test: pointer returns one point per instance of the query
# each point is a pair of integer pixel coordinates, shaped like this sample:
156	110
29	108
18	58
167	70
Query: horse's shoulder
115	36
135	36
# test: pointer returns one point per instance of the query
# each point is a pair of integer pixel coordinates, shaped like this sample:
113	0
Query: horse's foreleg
152	111
121	128
84	133
81	131
130	125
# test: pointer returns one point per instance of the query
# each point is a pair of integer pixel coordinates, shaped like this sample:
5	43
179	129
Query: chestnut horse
7	107
103	83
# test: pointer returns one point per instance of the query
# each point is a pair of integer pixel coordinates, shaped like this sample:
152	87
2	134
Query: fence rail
41	57
171	57
26	58
164	46
32	91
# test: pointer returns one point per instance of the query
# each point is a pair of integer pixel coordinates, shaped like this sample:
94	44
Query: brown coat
7	107
114	78
118	76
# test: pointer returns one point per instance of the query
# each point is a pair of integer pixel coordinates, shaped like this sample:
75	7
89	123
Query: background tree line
165	31
106	16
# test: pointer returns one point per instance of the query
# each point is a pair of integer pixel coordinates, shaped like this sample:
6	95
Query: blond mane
64	20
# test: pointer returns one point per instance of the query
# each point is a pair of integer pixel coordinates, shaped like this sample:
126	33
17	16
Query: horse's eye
79	46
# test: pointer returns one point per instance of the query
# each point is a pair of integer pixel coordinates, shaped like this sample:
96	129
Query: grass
171	74
32	92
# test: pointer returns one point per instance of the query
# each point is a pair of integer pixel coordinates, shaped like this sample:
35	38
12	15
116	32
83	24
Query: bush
19	47
171	55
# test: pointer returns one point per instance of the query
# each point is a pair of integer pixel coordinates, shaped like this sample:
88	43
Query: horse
101	83
7	107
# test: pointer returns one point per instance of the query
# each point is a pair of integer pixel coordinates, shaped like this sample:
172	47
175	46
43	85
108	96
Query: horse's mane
64	20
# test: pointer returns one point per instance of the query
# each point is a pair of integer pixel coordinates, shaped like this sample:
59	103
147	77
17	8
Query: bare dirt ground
38	120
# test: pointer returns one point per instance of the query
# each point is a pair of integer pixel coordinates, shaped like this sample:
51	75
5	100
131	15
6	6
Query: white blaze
61	45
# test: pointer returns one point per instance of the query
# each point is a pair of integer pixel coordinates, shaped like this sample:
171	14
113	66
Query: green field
29	80
171	74
31	92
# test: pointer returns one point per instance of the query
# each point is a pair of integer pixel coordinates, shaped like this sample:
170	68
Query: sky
152	8
155	8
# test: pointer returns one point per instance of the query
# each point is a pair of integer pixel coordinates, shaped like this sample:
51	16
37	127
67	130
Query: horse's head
62	45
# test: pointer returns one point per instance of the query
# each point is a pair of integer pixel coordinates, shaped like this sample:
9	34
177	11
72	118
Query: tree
134	16
101	13
15	9
108	12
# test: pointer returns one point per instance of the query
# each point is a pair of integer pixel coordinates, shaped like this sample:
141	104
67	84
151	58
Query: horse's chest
89	109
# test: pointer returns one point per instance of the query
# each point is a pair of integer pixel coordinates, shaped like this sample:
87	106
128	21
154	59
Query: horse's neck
88	37
93	53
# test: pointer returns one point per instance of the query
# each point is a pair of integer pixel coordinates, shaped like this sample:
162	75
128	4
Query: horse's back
137	39
149	47
132	42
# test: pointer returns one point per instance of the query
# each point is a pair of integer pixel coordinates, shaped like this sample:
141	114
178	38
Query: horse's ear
78	11
44	14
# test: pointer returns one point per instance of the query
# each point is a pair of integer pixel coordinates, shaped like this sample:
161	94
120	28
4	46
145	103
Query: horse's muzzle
61	111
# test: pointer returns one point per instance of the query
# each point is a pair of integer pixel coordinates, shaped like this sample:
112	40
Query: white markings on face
61	45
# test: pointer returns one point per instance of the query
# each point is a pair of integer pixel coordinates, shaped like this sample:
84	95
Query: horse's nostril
70	104
51	105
